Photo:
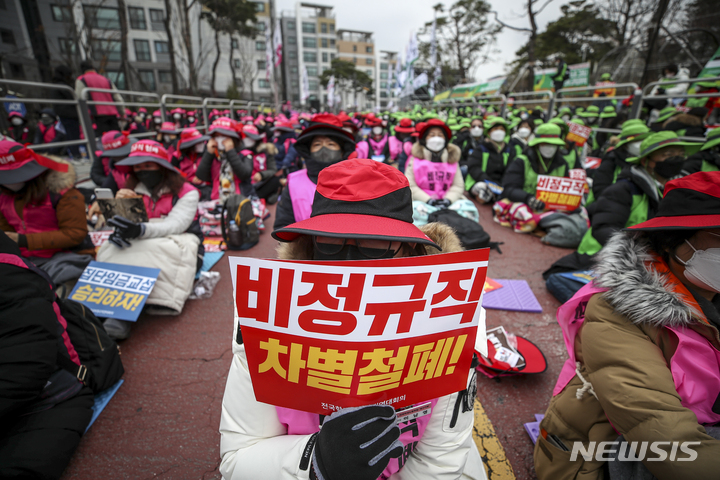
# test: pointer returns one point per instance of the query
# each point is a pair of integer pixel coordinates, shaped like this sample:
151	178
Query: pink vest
378	148
95	80
362	149
407	148
434	178
48	133
396	147
36	218
695	366
304	423
120	178
259	160
164	205
188	165
302	192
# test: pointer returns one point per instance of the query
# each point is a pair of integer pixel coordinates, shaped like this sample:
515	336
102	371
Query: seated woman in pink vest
262	441
433	171
644	349
323	143
43	212
115	147
222	165
171	240
191	147
379	146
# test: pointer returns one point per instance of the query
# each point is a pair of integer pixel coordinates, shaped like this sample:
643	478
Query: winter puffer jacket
624	349
633	199
254	444
703	161
487	163
520	179
451	155
607	173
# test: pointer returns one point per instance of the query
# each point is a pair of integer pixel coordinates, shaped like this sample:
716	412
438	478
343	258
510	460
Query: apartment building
385	79
358	47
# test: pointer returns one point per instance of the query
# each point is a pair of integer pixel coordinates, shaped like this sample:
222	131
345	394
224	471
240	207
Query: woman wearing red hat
403	141
264	177
378	146
644	345
262	441
433	171
191	147
222	165
43	212
115	146
170	241
322	144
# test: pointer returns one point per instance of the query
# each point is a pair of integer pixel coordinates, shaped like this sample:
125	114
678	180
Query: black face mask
352	252
150	178
321	159
670	167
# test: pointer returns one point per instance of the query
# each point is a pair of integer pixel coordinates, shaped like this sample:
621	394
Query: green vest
709	167
561	74
638	214
469	181
531	176
571	158
665	83
696	102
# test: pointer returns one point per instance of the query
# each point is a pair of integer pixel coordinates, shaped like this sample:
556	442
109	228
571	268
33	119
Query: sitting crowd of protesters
650	209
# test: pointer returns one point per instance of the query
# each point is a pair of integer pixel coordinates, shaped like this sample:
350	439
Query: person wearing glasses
259	440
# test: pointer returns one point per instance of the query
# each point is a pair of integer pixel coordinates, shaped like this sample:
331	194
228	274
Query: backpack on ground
101	366
471	234
238	223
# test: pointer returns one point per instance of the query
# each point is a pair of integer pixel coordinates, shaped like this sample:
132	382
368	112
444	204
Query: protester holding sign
170	241
543	157
43	212
644	356
362	211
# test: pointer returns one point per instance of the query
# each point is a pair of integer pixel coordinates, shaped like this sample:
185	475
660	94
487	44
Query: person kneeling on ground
170	241
262	441
43	212
44	409
434	174
644	350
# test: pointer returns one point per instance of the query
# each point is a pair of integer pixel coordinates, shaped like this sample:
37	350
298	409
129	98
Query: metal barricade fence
559	94
167	103
537	101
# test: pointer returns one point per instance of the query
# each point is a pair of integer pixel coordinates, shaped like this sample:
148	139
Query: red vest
48	132
163	206
95	80
36	218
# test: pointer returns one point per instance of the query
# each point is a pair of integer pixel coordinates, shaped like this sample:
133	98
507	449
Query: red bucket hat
284	126
418	127
178	110
251	131
434	122
190	137
360	198
115	144
20	164
169	128
373	121
224	126
689	203
405	126
146	151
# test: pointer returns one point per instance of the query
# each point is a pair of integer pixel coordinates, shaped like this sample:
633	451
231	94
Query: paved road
163	422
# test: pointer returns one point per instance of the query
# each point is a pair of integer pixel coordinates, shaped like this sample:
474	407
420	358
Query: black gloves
439	202
535	204
124	230
357	443
661	91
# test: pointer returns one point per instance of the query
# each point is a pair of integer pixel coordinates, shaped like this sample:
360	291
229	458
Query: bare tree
124	64
630	18
248	65
184	7
532	12
171	44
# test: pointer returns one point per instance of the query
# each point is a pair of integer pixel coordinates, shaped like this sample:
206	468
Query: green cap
605	77
590	112
633	131
561	123
515	122
666	113
713	138
495	121
547	133
608	112
579	110
578	121
656	141
564	110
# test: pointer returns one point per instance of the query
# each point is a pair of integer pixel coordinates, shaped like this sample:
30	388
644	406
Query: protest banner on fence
578	133
607	88
560	193
322	336
115	291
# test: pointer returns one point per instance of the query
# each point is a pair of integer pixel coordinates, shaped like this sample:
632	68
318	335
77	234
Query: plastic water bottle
234	237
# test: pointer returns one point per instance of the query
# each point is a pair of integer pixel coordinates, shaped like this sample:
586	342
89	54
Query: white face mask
157	120
220	139
633	148
377	130
248	142
476	132
435	144
565	118
177	116
15	187
191	119
703	268
497	136
523	132
17	121
548	151
200	148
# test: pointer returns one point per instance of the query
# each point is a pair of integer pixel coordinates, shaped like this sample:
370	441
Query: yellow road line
491	450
